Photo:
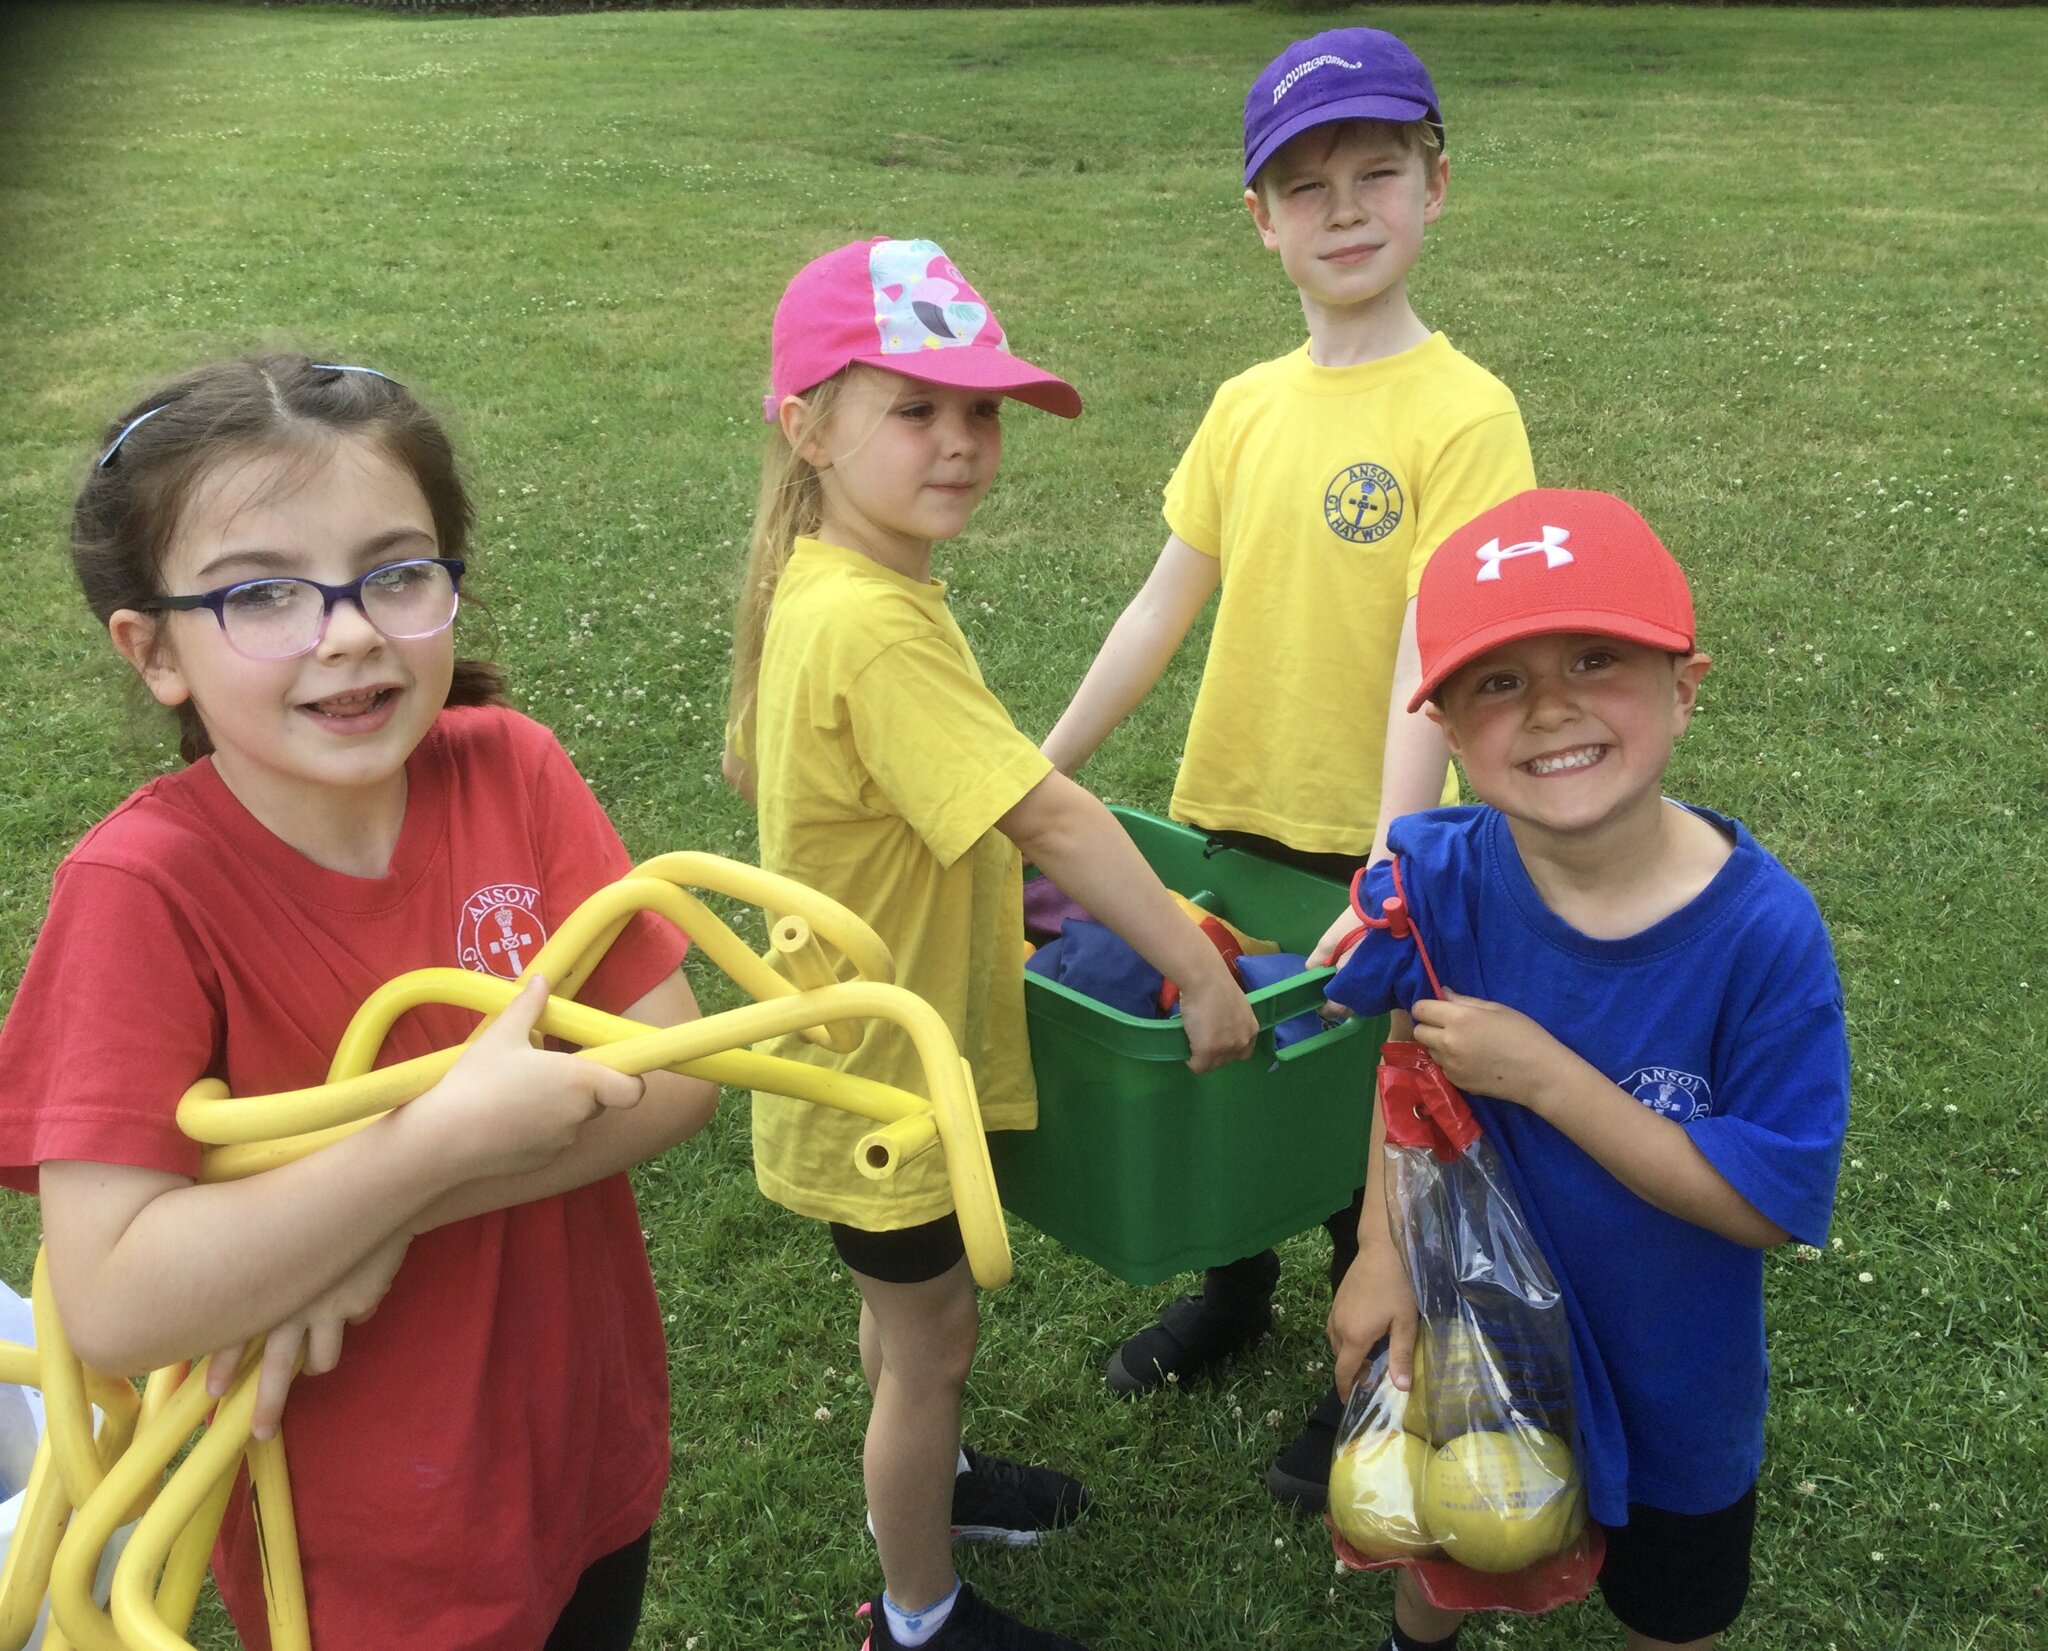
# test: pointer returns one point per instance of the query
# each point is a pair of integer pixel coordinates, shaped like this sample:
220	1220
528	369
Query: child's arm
150	1268
1491	1049
1416	758
1135	652
672	1109
739	774
1374	1298
1076	842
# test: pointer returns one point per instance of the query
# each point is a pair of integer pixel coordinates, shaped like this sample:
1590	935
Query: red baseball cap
1546	561
902	306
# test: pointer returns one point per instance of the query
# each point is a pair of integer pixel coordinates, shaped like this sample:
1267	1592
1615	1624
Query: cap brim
984	369
1379	106
1618	626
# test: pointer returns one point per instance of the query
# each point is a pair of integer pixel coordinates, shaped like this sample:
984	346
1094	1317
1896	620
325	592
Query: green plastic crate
1149	1170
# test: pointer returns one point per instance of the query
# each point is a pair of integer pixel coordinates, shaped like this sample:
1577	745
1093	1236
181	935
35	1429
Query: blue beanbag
1268	969
1088	959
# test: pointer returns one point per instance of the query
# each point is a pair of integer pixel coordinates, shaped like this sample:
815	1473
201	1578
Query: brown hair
1418	137
152	456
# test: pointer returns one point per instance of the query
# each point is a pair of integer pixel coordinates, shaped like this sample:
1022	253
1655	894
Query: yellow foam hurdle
88	1481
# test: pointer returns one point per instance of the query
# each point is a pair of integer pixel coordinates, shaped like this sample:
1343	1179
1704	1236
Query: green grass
1775	276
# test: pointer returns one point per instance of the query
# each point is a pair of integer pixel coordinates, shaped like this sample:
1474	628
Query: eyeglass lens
275	618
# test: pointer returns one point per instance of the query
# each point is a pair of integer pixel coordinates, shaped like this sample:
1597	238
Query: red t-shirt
502	1421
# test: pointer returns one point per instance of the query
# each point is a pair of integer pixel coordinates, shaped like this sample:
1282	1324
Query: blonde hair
791	506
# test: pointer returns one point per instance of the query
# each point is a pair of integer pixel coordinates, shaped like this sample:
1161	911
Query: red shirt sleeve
117	1015
580	853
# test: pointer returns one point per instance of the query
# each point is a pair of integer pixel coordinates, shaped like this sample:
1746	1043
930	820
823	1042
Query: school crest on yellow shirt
1362	504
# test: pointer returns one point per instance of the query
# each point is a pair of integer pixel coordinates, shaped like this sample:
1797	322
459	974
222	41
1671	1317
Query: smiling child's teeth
1581	758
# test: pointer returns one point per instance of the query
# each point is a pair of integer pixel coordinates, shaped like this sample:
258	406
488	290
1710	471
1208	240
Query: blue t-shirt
1726	1017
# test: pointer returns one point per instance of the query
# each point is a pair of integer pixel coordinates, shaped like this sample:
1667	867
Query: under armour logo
1550	547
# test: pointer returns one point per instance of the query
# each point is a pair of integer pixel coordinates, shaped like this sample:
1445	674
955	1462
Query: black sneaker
997	1500
973	1625
1300	1474
1192	1336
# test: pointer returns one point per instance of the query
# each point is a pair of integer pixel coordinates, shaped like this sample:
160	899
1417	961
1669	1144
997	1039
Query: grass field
1773	275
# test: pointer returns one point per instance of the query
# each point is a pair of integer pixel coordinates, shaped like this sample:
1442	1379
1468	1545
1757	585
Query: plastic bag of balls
1468	1478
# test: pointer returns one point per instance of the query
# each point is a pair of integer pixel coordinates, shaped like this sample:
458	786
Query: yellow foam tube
38	1527
700	1047
138	1615
791	939
85	1485
67	1415
835	924
177	1595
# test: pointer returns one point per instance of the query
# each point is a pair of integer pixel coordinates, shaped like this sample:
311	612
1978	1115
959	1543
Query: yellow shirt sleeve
1481	466
965	766
1193	505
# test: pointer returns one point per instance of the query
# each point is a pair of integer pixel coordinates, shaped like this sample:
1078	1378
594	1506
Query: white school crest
501	929
1670	1093
1550	547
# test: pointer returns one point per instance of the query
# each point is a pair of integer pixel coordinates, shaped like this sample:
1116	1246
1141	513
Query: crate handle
1321	1040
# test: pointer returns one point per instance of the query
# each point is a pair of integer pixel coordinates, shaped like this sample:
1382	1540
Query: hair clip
130	427
128	430
337	367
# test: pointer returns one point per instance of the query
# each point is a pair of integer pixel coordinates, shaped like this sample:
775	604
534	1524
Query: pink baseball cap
902	306
1546	561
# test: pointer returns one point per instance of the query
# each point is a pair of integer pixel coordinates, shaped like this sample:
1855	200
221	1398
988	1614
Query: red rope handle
1393	918
1413	933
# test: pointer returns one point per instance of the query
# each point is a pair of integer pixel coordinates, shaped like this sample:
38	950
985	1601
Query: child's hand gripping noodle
1468	1477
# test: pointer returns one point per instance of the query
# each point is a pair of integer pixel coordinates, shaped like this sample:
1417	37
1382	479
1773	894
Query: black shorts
909	1255
1338	868
1679	1576
604	1615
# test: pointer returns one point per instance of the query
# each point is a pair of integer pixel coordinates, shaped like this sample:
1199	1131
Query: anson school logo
1679	1096
501	929
1362	504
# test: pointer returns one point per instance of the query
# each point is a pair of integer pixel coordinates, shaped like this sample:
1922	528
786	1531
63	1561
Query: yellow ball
1456	1378
1374	1484
1498	1501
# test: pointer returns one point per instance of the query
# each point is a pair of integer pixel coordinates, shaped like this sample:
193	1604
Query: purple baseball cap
1341	74
902	306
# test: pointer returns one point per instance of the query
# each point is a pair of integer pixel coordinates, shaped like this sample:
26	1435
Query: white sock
965	1465
915	1627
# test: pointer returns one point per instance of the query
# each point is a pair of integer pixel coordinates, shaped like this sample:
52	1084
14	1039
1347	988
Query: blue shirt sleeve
1779	1143
1381	973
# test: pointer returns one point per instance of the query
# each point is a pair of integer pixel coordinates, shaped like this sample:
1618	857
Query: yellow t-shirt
1323	492
881	766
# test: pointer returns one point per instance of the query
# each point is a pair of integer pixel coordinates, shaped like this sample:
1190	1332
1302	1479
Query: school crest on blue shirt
1362	504
1679	1096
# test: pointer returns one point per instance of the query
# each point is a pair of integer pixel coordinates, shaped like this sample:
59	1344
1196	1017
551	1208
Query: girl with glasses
276	547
